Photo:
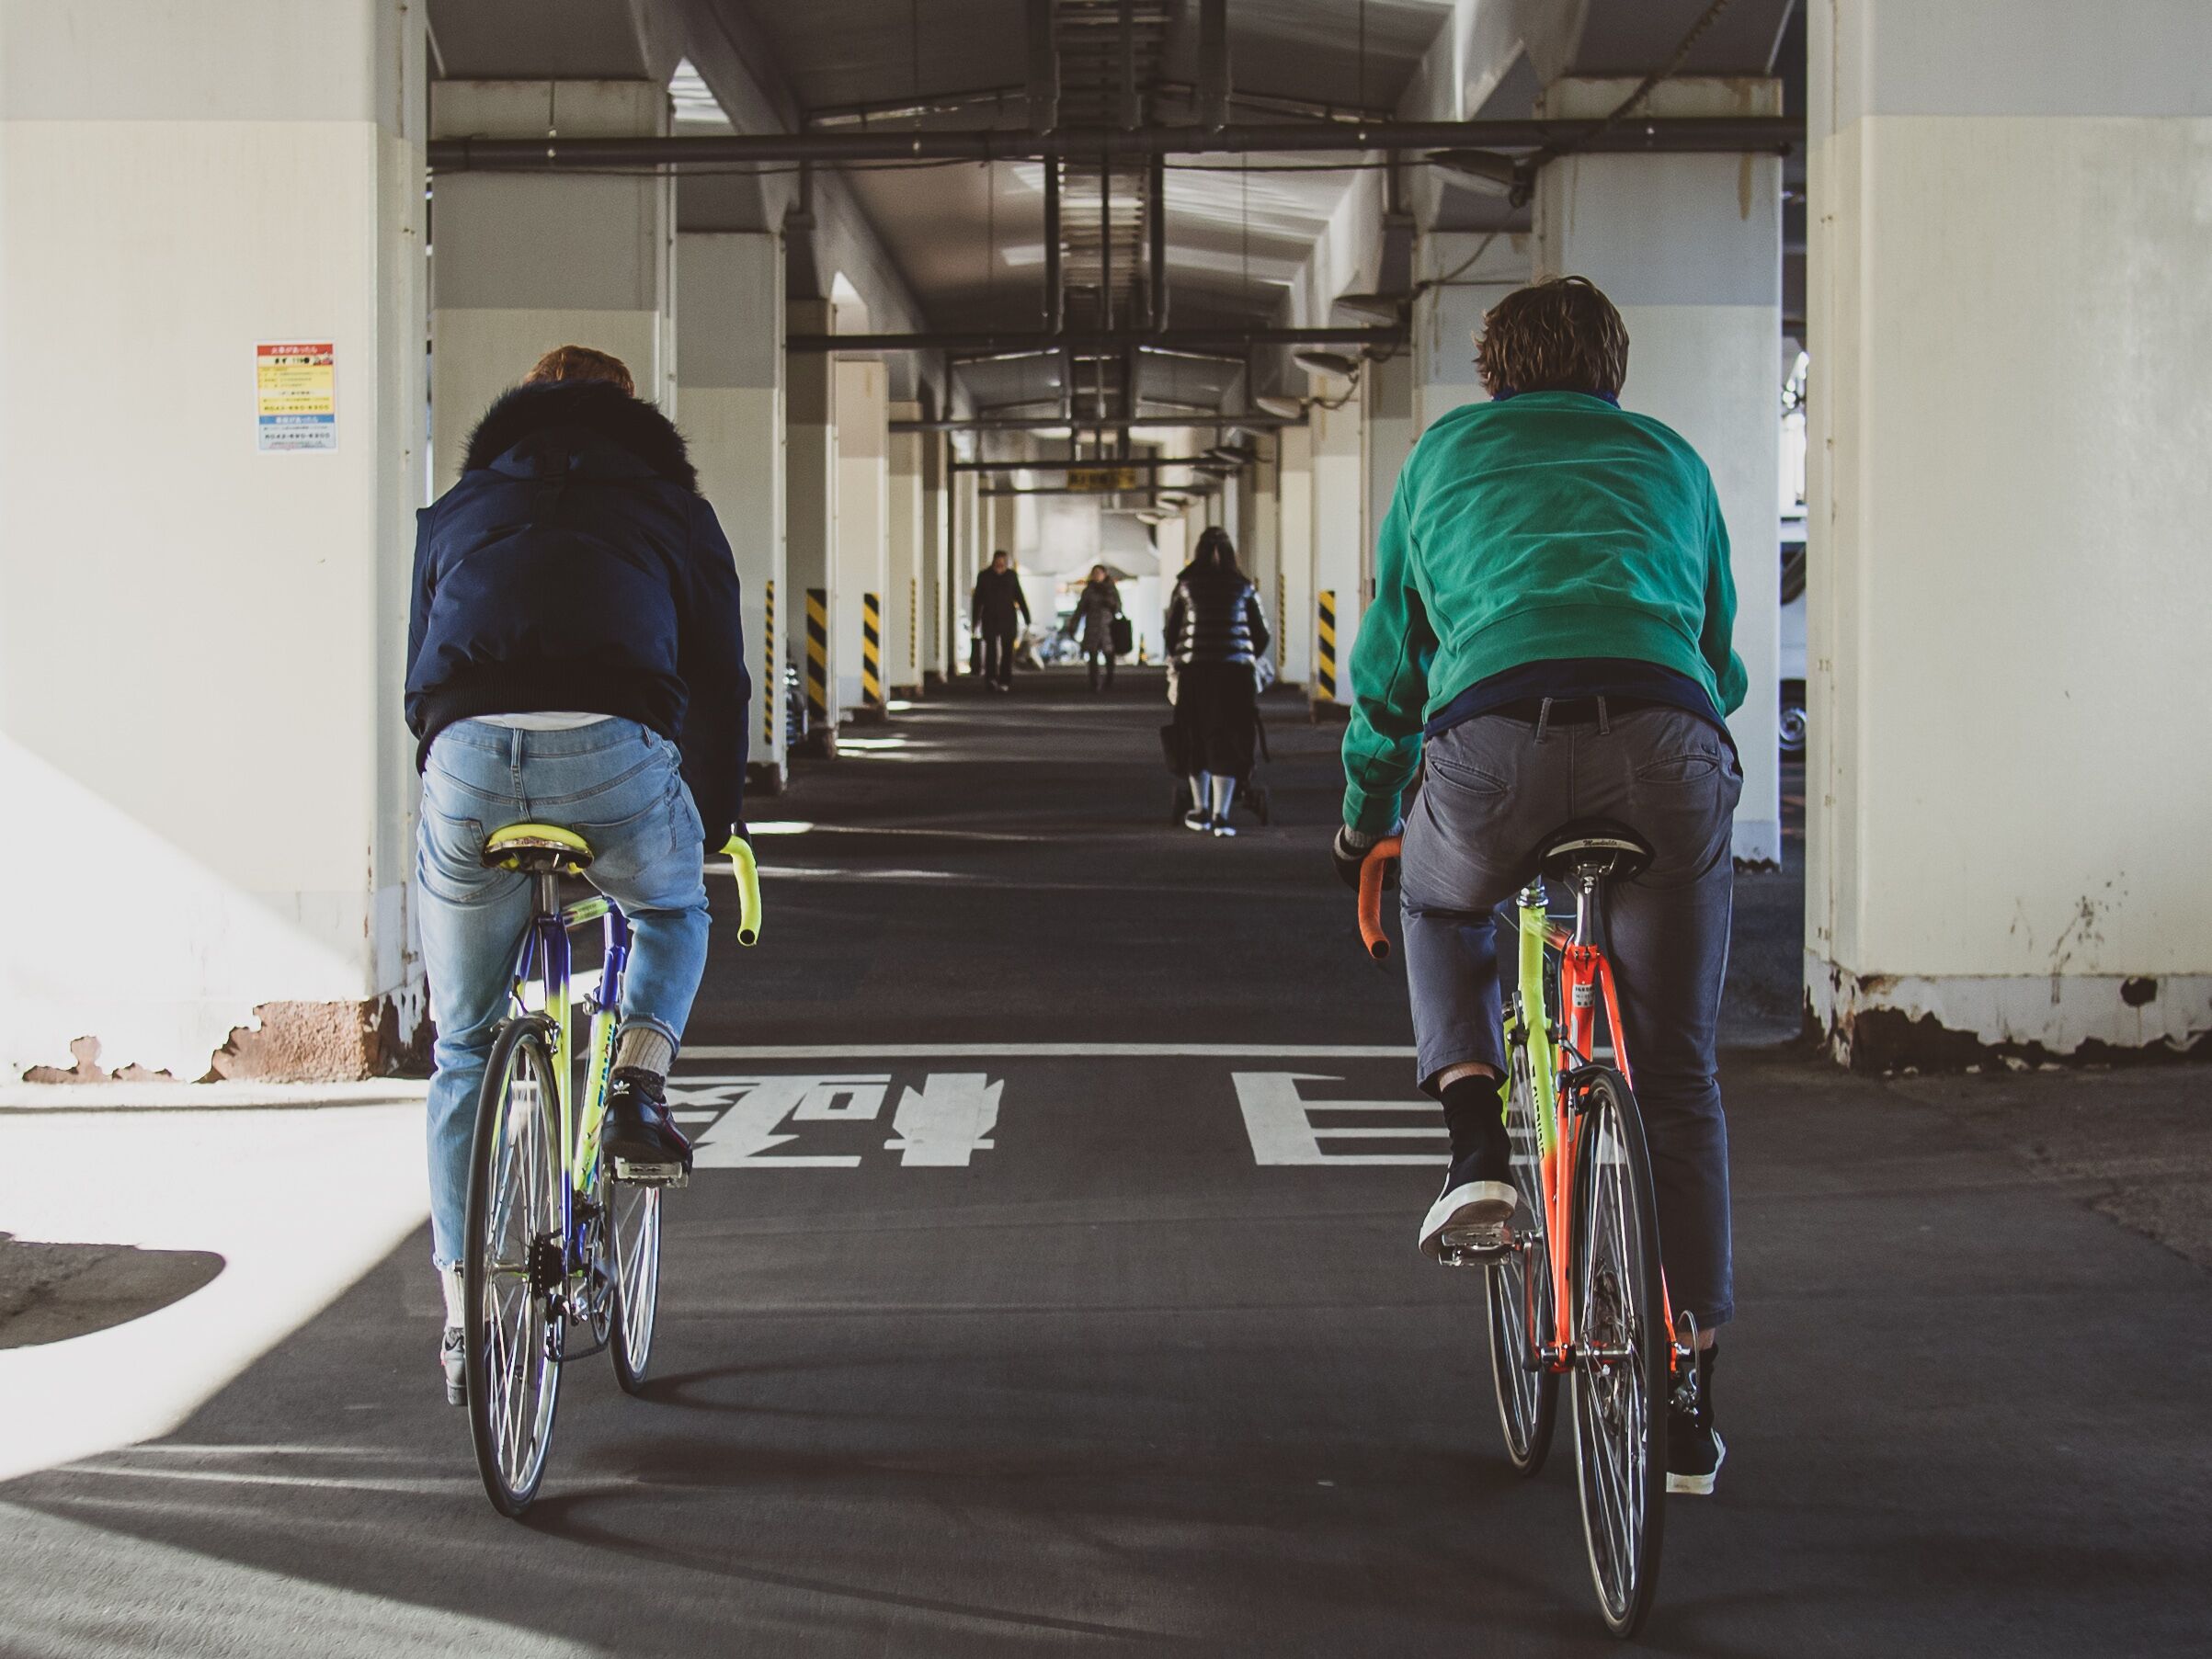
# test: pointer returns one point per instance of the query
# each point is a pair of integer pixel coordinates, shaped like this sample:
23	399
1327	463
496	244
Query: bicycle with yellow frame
556	1236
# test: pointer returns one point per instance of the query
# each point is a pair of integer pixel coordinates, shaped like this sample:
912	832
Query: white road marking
1046	1050
948	1121
1279	1120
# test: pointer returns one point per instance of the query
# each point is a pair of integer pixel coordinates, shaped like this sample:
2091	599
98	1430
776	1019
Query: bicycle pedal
1473	1246
651	1175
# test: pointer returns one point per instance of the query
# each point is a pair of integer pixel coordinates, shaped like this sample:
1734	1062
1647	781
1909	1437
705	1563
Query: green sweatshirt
1546	525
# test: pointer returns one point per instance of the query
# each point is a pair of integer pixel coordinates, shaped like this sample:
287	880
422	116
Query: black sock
1477	1121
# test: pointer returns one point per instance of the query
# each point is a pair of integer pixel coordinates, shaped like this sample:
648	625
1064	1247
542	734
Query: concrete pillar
524	263
1341	539
730	372
811	520
863	443
935	558
1472	272
1690	248
903	599
1392	426
1263	550
1295	567
204	540
2006	795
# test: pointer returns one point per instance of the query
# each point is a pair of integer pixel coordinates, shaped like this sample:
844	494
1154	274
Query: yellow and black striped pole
1282	621
1325	658
818	653
770	690
872	649
914	628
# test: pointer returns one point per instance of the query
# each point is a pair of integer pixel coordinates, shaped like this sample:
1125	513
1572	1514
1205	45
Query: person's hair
1561	335
581	363
1098	574
1215	550
1000	553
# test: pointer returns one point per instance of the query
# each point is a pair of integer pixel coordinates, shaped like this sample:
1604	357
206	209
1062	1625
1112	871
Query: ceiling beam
1706	135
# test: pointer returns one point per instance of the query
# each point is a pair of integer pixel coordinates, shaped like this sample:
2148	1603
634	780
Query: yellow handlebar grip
747	871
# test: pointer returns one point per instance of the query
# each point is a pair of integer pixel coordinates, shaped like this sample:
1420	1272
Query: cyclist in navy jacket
574	657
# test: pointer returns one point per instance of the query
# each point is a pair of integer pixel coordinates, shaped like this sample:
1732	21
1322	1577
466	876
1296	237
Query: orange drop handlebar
1372	871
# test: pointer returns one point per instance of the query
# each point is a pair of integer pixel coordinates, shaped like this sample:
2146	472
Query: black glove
1349	852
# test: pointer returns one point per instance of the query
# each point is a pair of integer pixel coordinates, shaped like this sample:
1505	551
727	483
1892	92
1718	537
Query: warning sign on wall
295	391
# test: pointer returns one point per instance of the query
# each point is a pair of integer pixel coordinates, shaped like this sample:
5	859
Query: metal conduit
1092	342
1712	134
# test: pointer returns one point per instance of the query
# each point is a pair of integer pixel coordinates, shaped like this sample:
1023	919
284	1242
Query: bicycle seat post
1587	878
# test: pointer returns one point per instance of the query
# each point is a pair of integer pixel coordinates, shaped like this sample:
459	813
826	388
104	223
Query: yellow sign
1104	479
295	392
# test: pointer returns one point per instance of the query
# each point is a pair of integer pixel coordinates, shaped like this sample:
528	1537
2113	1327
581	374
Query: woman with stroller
1096	612
1216	630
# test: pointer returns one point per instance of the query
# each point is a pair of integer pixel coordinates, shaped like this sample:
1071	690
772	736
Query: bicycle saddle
1596	846
537	850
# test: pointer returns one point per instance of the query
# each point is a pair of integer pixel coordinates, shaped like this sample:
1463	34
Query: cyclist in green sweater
1551	635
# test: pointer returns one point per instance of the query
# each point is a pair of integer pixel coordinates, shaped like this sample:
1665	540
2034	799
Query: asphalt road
972	1350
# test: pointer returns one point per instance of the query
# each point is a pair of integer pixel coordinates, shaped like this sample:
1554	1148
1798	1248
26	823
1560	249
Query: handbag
1125	637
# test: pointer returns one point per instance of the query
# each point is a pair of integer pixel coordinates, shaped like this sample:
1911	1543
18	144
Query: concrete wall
211	793
902	599
1342	538
523	264
1689	247
2010	416
1293	595
730	370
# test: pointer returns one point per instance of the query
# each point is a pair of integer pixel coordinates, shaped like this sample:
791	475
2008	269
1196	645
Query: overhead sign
295	395
1104	480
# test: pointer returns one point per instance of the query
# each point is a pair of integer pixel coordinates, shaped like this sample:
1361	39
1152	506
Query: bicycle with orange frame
1578	1289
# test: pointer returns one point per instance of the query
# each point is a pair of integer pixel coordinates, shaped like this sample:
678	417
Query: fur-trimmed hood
603	410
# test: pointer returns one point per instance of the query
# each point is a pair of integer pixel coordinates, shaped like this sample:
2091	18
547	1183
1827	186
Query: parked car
1792	689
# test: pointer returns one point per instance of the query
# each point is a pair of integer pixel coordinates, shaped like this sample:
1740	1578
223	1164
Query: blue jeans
1496	787
616	784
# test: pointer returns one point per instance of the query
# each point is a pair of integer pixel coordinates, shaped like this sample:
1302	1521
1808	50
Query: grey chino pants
1496	787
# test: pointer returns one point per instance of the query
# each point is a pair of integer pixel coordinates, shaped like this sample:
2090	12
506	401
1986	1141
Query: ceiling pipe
1706	135
1055	315
1156	263
1212	65
1043	68
1052	422
1152	463
1098	340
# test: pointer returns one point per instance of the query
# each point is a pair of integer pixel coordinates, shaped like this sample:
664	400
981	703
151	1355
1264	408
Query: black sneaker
452	1359
1694	1450
640	1137
1469	1216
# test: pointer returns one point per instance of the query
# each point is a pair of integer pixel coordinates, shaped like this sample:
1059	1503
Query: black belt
1582	709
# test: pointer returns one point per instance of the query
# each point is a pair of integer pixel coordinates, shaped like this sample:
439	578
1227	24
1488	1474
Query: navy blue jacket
576	567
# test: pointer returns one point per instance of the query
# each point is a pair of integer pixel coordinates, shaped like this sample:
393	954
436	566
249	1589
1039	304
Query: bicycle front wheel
1623	1350
633	1229
514	1267
1519	1290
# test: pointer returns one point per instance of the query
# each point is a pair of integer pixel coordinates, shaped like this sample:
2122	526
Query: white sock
1198	784
646	1046
1225	789
449	1280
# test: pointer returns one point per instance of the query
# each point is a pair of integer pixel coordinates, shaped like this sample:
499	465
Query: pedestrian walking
1097	611
998	601
1216	631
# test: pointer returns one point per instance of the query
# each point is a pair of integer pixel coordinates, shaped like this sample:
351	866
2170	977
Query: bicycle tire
1619	1404
633	1235
1528	1399
514	1362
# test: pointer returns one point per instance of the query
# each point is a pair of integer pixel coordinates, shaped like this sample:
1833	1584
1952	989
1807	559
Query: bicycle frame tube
605	1008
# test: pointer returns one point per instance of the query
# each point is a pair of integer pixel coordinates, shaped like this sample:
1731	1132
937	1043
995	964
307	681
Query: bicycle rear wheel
633	1229
1528	1399
513	1267
1623	1350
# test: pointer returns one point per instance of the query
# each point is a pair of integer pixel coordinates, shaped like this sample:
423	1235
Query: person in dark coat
998	601
1096	610
575	657
1217	632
